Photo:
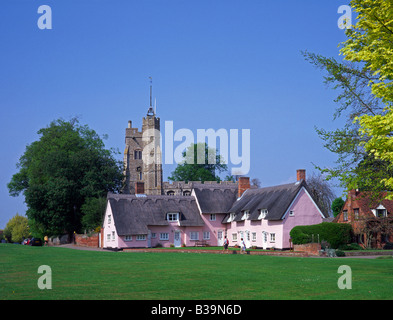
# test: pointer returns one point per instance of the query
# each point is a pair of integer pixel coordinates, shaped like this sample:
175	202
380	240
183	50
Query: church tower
142	155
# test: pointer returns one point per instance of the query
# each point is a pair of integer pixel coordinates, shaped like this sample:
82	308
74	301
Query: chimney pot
301	174
244	184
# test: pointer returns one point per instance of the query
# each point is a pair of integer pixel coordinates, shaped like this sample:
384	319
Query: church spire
151	112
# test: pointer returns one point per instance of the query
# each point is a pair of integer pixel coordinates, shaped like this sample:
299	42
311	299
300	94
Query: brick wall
310	248
87	241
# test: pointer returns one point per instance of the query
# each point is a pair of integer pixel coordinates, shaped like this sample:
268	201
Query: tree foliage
321	191
370	43
364	80
60	171
337	205
200	163
17	229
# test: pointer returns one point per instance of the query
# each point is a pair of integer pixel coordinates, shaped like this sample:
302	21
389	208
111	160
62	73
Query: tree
355	99
370	42
60	171
337	205
200	163
17	229
93	210
256	182
365	80
321	192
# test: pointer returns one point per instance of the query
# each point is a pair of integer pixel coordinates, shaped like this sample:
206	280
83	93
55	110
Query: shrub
388	246
340	253
336	234
352	246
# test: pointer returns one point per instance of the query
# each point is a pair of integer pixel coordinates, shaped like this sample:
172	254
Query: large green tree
200	163
370	43
58	173
364	80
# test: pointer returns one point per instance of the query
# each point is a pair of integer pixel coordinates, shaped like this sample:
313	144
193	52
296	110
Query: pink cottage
262	217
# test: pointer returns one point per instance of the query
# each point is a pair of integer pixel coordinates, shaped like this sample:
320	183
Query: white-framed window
246	215
291	213
345	215
173	216
194	235
113	235
381	213
234	236
153	235
128	238
254	236
164	236
109	219
213	217
356	214
206	235
141	237
262	214
108	237
231	217
272	237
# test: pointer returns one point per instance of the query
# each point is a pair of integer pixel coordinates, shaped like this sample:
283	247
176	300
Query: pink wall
305	213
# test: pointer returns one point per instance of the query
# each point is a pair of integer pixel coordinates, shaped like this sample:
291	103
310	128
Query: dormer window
172	217
246	215
262	214
231	217
381	213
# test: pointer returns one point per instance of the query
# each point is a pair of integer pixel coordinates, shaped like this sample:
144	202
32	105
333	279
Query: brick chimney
244	184
139	187
301	174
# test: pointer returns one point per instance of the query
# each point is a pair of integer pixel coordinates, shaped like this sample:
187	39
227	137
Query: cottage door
177	241
220	239
264	240
247	239
148	238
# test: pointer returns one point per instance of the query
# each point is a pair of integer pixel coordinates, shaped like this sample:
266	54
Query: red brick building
371	218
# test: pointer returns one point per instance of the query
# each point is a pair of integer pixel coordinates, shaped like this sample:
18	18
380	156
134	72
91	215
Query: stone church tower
142	155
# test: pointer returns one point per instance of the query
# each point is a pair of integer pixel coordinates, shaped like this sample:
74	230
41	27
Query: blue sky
215	64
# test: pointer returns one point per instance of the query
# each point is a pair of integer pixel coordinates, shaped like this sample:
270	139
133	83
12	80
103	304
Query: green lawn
80	274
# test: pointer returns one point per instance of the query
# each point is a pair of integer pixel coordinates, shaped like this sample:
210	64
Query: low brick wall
369	253
311	249
84	240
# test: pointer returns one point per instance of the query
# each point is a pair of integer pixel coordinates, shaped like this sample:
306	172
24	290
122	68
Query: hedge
336	234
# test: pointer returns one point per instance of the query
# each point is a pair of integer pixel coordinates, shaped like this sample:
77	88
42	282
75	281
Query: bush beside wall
336	234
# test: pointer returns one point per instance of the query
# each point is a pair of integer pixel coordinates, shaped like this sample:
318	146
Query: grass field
80	274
